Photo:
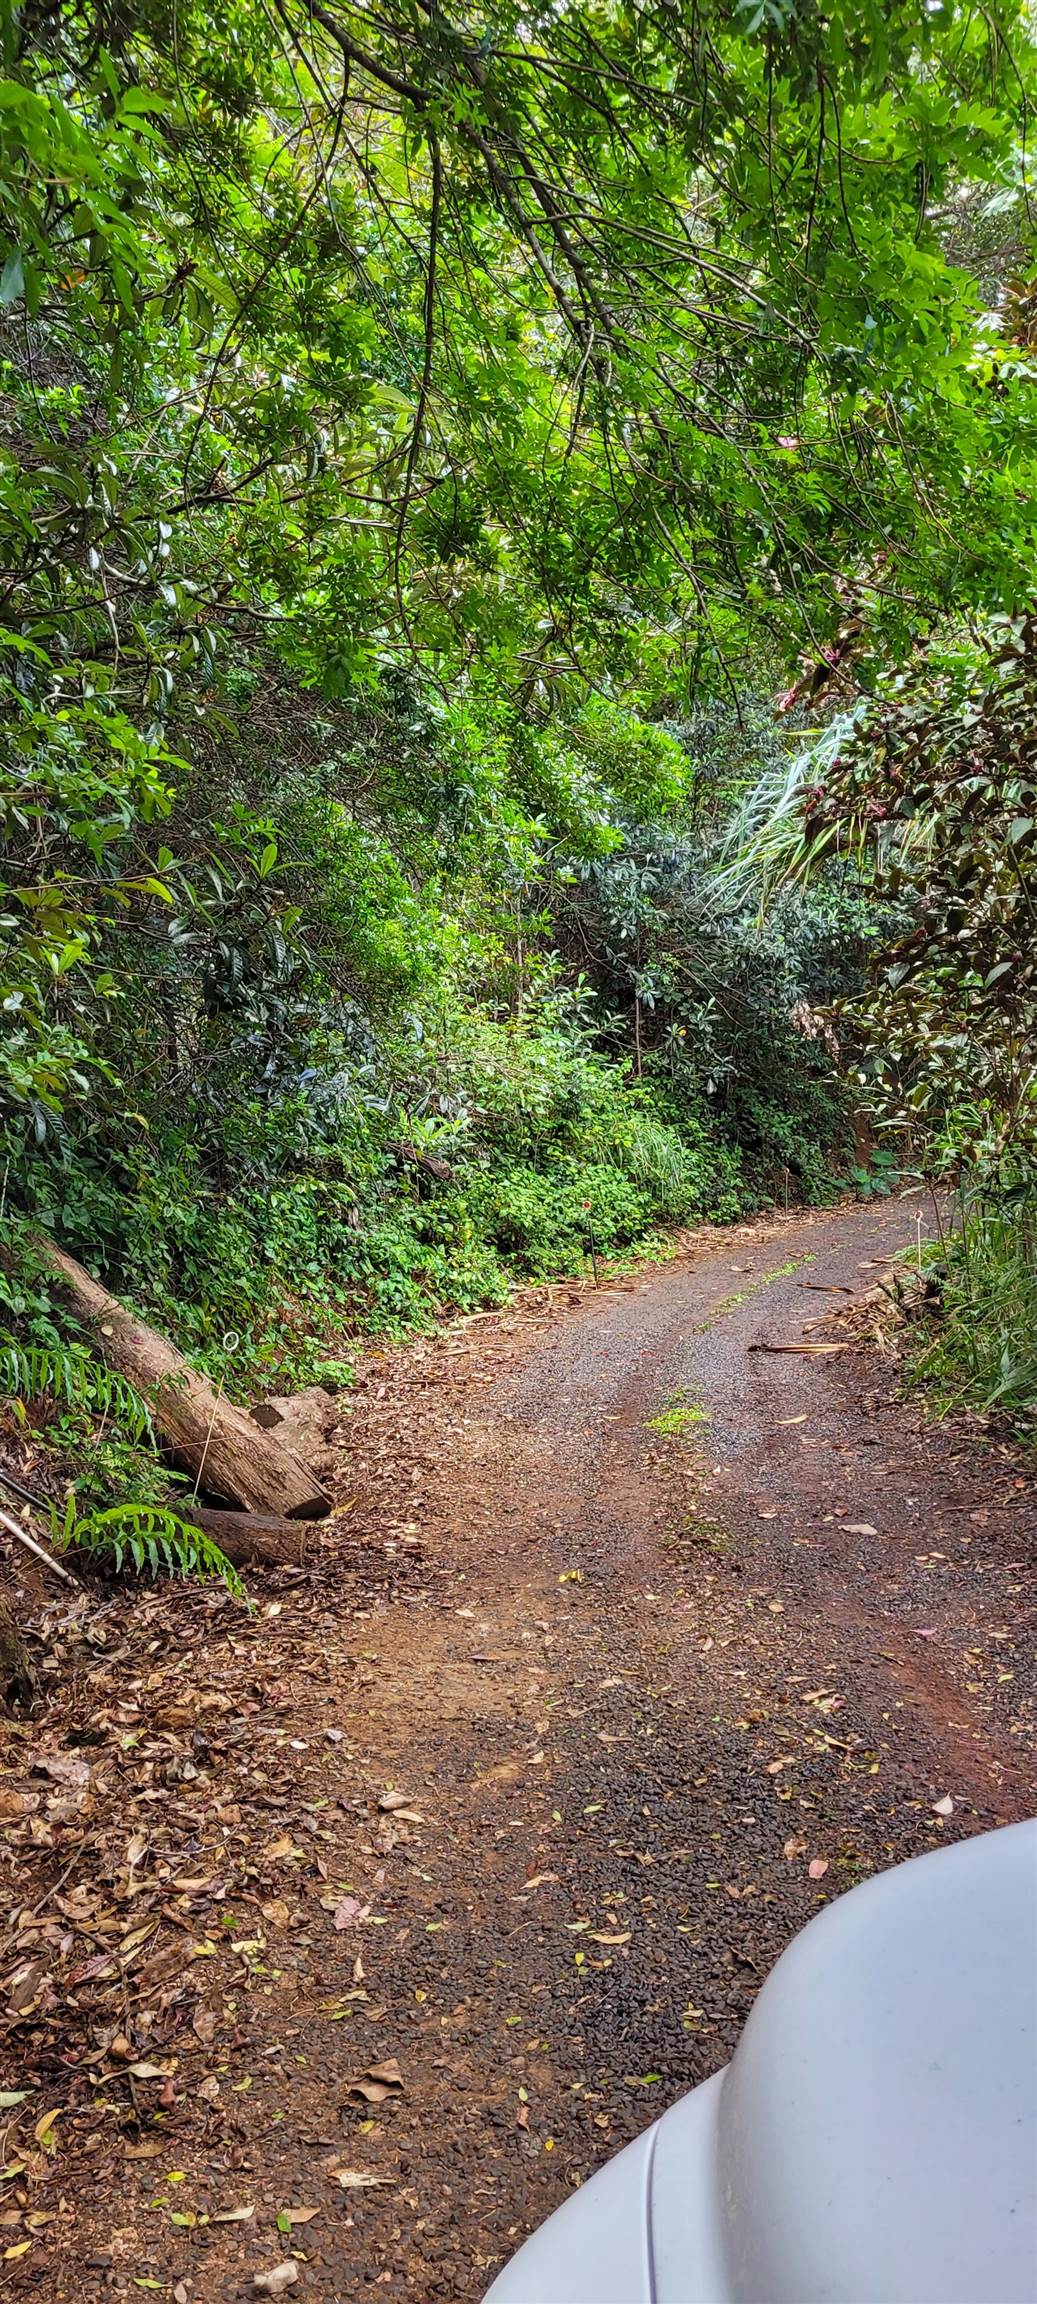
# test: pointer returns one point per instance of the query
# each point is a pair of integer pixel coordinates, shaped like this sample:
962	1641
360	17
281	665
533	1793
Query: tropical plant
424	440
147	1536
926	796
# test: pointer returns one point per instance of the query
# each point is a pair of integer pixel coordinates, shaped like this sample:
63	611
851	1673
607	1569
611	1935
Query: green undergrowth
470	802
344	1079
976	1345
561	1164
263	1233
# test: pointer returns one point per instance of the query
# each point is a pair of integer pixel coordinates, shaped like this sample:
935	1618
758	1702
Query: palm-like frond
149	1535
72	1374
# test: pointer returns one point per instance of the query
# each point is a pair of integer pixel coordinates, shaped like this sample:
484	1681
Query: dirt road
632	1644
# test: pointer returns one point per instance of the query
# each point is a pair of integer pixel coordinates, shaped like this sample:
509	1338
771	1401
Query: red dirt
630	1682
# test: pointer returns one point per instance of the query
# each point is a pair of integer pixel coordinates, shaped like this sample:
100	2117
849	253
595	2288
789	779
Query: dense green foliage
426	441
925	794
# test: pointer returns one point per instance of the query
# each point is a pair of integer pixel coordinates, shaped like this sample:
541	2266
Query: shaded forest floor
360	1929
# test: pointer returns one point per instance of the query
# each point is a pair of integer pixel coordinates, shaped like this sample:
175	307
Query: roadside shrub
544	1220
981	1344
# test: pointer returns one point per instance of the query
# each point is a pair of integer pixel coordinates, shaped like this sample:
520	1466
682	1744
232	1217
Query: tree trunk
229	1454
251	1539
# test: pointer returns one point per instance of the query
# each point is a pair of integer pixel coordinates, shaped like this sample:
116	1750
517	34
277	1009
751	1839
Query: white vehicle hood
874	2139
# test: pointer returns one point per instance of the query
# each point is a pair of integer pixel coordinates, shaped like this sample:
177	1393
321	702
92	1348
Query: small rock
275	2282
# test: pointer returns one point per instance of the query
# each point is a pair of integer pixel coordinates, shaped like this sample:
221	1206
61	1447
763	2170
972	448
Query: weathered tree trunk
229	1454
252	1539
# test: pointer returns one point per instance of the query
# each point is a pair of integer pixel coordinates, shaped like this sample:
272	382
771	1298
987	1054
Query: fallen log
251	1539
229	1455
301	1421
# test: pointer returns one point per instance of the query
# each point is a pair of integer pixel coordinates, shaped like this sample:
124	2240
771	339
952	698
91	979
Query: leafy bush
362	545
981	1346
545	1220
923	800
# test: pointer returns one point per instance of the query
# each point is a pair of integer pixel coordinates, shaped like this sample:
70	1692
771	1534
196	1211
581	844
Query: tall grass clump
982	1351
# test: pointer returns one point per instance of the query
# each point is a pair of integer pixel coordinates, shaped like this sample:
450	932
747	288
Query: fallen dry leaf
357	2179
15	1804
242	2215
389	2071
61	1767
347	1910
817	1867
29	1986
378	2082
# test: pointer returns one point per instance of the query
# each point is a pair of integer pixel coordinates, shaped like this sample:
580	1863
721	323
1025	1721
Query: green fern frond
150	1536
73	1375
